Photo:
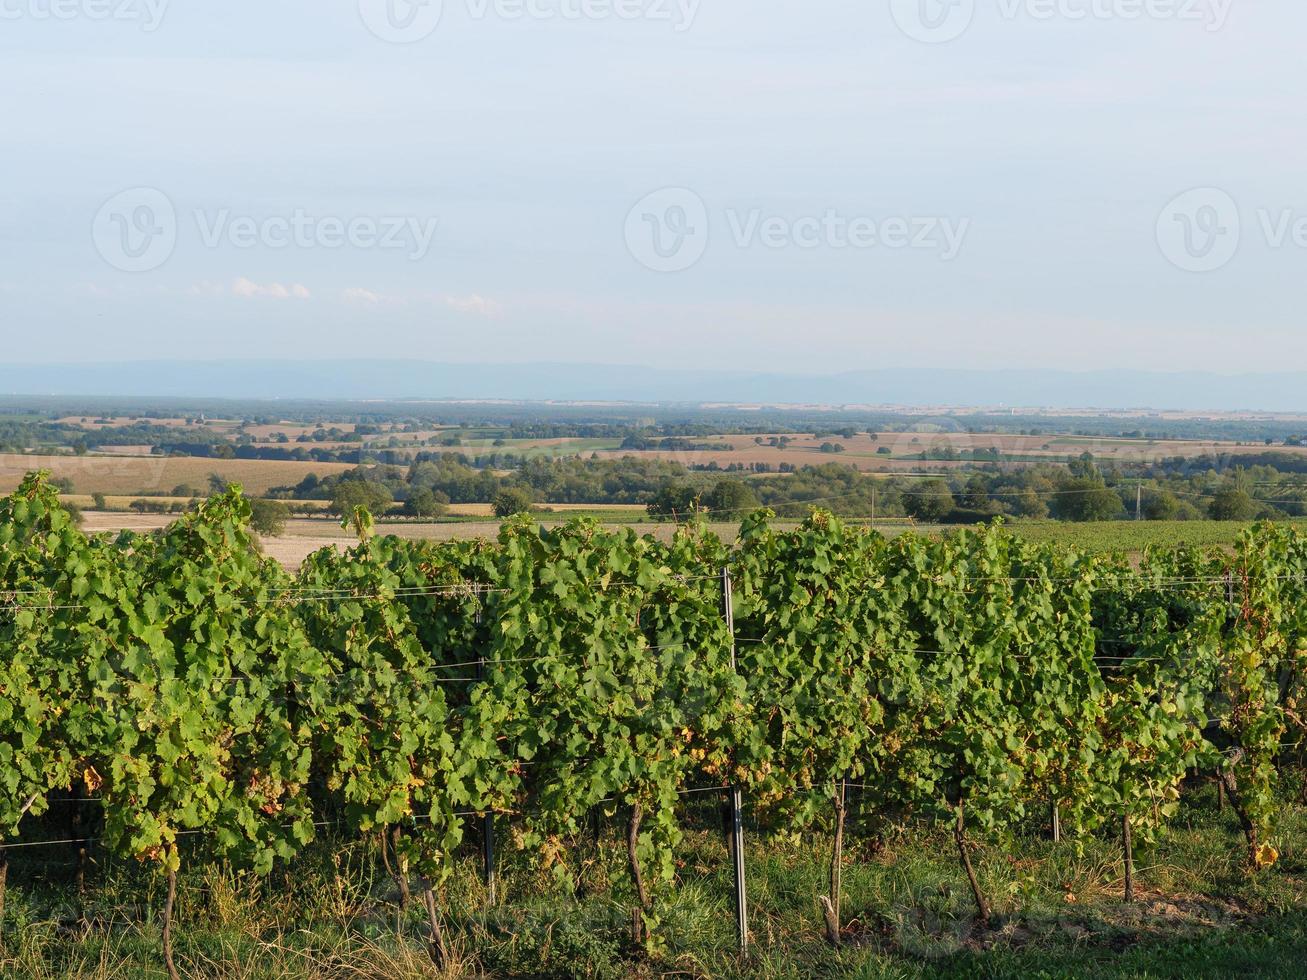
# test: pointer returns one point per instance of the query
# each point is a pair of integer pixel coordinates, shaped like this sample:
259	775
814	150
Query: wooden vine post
436	948
960	839
831	904
400	870
737	822
169	905
642	900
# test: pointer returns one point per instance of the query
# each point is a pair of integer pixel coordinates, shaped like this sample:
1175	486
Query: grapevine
214	704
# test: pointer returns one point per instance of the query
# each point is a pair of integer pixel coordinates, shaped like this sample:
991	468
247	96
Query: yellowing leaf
1267	855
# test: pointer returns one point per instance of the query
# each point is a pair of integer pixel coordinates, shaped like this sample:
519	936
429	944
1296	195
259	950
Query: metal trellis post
737	824
488	820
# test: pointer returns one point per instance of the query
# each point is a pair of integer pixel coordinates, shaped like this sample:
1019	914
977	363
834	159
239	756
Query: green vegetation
413	458
269	517
512	500
426	504
564	683
1198	915
348	495
1134	537
1080	491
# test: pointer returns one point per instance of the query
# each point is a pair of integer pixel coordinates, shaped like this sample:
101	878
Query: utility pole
1139	501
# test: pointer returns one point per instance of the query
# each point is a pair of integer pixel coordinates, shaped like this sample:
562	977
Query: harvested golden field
136	475
123	502
303	536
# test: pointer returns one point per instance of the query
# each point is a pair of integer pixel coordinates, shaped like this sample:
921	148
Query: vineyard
455	704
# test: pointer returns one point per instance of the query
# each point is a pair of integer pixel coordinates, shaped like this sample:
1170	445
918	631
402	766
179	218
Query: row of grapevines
402	689
154	671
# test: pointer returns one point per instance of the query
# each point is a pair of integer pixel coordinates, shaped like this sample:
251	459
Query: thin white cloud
248	289
473	304
357	294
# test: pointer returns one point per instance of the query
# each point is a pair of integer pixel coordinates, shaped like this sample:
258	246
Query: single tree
674	502
731	499
512	500
1086	498
350	494
931	502
1232	504
268	517
425	503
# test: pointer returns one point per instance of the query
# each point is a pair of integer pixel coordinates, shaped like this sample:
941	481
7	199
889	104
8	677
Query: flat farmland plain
137	475
901	451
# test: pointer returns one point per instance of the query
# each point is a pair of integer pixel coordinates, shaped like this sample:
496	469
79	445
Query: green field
532	448
1134	536
1129	537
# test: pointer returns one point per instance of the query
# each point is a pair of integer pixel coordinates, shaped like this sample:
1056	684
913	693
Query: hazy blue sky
842	194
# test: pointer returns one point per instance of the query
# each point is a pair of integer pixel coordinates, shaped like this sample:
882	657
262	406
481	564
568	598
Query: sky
812	185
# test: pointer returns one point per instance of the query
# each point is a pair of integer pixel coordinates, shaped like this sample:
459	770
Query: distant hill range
418	380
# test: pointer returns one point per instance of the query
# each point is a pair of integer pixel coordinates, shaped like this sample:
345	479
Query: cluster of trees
725	500
449	478
1078	491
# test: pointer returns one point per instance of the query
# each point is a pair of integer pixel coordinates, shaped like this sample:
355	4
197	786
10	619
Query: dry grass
907	911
